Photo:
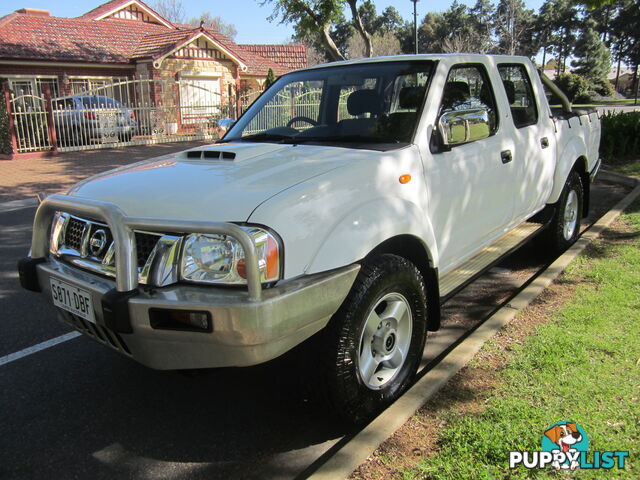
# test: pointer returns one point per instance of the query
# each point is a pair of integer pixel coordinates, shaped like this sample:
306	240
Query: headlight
56	239
219	259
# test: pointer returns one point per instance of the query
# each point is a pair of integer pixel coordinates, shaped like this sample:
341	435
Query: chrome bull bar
122	229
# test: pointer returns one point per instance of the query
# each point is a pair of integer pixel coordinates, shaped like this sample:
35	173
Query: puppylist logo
565	446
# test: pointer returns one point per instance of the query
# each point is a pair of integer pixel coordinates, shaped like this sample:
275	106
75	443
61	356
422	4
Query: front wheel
372	346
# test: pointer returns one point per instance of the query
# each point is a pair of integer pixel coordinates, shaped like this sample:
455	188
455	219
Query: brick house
125	40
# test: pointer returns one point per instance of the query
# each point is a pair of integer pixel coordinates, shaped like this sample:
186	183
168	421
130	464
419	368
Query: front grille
73	235
145	243
97	332
77	246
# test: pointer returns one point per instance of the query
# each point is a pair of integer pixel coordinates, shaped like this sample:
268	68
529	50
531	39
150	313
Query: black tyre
564	228
372	347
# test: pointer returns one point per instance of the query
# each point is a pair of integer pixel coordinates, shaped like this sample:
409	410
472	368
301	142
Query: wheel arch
580	167
413	249
573	158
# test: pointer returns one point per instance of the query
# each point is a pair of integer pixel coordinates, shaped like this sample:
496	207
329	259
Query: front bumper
250	326
244	332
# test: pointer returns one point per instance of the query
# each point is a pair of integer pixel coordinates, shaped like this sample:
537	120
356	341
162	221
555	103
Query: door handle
506	156
544	142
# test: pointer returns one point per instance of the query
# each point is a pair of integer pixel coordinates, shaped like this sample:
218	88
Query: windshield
374	103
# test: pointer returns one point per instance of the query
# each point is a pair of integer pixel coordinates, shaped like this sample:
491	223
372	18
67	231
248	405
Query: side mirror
463	126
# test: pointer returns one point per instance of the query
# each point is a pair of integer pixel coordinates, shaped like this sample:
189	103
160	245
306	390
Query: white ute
347	221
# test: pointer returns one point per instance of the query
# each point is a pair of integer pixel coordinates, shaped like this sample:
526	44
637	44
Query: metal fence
144	111
288	105
131	112
28	119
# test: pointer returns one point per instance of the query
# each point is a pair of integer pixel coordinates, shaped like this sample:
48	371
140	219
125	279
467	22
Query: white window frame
34	80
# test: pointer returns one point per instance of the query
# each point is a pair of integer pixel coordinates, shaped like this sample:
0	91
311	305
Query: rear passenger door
534	140
471	186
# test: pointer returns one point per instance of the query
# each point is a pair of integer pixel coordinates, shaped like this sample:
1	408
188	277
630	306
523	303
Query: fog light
180	320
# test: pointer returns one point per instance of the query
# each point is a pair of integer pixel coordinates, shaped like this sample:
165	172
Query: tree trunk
615	86
605	38
357	21
636	84
544	57
330	45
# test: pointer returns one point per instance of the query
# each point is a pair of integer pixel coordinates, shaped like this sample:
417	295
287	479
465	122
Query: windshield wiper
257	137
341	138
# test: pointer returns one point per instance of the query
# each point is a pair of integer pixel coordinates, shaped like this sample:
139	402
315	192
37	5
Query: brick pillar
46	90
12	126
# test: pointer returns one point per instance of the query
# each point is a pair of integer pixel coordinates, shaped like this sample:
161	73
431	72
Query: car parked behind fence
80	119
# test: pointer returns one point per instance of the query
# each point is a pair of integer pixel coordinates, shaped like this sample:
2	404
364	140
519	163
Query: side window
468	87
522	102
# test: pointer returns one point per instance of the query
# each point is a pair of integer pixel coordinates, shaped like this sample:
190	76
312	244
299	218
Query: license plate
72	299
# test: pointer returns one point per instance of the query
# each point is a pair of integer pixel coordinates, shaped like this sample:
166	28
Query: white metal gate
131	112
28	119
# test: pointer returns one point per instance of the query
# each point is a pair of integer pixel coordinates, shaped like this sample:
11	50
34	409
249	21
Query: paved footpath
22	179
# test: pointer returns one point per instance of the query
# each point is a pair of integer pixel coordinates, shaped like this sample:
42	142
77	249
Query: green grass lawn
618	101
582	366
630	168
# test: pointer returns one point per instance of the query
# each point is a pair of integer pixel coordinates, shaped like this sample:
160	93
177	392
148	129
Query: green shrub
582	98
572	85
620	135
604	88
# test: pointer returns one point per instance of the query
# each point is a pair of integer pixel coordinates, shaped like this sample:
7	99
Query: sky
249	17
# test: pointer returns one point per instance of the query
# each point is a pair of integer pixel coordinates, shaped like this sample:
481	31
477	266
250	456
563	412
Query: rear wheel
564	228
372	347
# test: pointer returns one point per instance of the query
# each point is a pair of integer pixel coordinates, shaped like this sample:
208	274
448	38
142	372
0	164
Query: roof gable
163	45
127	10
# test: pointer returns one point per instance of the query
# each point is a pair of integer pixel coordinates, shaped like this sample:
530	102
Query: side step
458	278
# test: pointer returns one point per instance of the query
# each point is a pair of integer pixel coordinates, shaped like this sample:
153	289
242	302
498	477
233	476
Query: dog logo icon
565	446
568	438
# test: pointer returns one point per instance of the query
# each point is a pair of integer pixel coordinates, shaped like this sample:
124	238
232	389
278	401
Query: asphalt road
79	410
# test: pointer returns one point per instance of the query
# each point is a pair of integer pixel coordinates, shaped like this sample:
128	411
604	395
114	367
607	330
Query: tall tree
216	23
544	28
315	19
389	20
565	15
384	43
627	26
172	10
458	29
514	25
481	15
592	57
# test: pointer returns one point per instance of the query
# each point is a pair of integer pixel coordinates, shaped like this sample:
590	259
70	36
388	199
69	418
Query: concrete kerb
344	461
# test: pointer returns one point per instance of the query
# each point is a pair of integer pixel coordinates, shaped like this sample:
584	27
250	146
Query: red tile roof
107	7
256	64
31	37
36	37
292	56
157	44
